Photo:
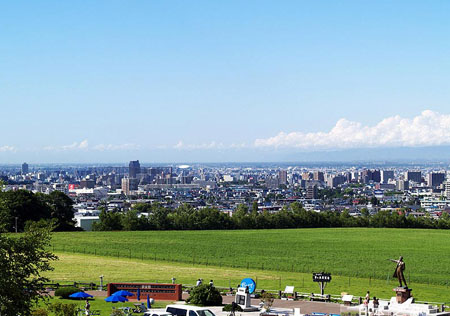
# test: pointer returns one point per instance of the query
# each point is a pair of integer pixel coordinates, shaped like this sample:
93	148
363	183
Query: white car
188	310
154	313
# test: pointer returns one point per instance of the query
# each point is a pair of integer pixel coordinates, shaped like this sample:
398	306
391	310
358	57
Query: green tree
60	207
108	221
23	205
22	261
205	295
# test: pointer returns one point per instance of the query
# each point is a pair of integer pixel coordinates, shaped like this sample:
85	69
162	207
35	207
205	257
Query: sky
212	81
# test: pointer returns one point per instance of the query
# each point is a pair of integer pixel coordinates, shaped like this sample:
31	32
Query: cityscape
418	190
225	158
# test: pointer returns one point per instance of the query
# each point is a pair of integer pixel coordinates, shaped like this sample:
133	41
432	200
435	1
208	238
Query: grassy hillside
354	252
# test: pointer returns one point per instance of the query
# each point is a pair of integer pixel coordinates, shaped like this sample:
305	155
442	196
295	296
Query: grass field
81	267
351	252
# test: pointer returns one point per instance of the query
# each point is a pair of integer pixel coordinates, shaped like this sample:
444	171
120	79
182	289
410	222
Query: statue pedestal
403	293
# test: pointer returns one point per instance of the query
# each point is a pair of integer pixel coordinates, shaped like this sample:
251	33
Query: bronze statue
398	273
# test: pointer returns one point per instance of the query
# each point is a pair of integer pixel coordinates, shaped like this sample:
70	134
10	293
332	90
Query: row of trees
293	216
21	206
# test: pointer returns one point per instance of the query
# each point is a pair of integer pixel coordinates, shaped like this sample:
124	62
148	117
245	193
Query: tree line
24	207
294	215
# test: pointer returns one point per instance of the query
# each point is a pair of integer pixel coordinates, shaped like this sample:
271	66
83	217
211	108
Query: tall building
402	185
311	192
387	175
306	176
447	189
414	176
134	168
128	185
371	175
318	176
376	176
435	179
24	168
282	176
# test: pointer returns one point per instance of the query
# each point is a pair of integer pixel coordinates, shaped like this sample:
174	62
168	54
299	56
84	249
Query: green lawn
354	252
87	268
357	258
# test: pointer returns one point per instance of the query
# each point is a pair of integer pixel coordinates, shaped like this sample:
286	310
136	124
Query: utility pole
16	223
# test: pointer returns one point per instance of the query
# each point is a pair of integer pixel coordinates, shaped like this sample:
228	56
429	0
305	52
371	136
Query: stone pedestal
403	293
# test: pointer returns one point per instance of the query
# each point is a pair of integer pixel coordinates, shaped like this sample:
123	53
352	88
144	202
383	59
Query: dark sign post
322	278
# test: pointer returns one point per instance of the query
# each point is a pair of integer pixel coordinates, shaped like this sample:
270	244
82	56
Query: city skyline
213	82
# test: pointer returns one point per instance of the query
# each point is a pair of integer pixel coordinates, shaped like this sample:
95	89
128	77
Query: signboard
250	283
322	277
157	291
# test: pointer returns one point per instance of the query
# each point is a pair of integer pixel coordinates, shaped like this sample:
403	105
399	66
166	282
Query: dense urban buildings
421	190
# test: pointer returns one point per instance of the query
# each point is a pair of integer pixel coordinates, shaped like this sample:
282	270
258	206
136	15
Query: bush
61	309
205	295
64	292
39	312
227	308
267	299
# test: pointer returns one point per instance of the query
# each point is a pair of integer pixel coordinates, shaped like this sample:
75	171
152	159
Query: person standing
87	308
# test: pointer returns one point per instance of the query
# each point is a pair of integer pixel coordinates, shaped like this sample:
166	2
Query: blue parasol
80	295
115	299
123	293
148	302
138	294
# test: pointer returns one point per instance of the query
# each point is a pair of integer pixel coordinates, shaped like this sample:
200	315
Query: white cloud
74	146
8	148
427	129
211	145
111	147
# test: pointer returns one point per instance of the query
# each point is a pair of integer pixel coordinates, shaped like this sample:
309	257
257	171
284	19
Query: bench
319	297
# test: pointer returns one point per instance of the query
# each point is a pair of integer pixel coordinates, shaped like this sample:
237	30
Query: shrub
227	308
267	298
205	295
64	292
39	312
62	309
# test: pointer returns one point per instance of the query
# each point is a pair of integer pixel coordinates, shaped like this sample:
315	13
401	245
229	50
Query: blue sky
211	80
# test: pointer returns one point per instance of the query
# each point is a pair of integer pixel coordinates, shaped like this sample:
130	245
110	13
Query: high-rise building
387	175
376	176
447	189
402	185
282	176
134	168
318	176
128	185
24	168
371	175
414	176
435	179
311	192
306	176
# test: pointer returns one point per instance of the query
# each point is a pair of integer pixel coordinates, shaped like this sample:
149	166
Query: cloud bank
427	129
84	145
7	148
